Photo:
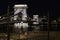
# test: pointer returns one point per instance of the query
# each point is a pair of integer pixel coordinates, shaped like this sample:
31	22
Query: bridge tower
21	10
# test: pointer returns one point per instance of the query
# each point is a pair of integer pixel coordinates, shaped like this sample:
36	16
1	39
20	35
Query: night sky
40	7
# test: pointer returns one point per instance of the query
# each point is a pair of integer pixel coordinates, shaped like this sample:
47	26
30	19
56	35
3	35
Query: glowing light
21	5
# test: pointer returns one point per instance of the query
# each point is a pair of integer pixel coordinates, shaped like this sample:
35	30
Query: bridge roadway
35	36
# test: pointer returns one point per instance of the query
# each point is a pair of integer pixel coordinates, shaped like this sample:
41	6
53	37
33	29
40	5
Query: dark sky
40	7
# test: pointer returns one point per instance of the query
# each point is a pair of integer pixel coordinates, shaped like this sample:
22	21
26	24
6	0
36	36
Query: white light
16	24
35	22
35	16
24	18
21	5
24	25
15	17
19	25
0	16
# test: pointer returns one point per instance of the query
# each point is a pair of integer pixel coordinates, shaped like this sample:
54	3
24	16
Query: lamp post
8	29
48	25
